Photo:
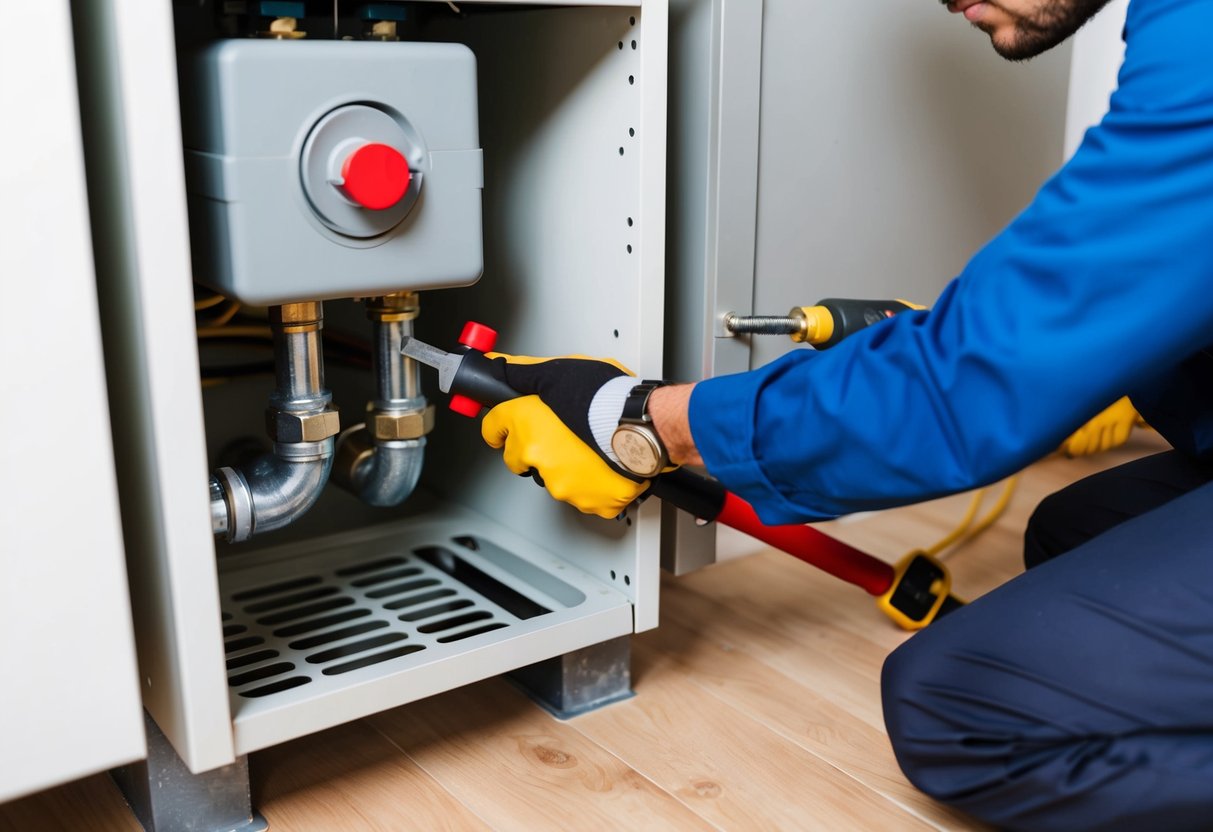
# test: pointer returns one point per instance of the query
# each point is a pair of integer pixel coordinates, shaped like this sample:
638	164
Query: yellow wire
1004	499
226	315
208	303
961	527
963	533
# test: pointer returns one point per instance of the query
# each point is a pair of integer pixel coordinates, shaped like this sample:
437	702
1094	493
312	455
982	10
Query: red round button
375	176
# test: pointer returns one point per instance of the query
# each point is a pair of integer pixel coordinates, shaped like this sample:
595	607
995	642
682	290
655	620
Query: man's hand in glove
560	427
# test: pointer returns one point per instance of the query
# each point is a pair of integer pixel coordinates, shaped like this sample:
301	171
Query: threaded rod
762	324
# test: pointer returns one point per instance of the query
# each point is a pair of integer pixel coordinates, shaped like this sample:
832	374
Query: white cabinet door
69	693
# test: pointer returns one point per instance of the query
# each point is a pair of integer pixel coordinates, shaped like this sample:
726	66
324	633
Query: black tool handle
851	315
478	380
698	496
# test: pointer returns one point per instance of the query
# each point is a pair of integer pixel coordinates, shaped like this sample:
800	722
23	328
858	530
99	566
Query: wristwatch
635	442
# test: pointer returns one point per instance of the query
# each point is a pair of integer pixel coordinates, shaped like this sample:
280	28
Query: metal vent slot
412	600
305	612
367	661
503	596
237	662
476	631
234	630
356	647
291	600
320	623
437	609
337	635
274	589
409	586
451	623
276	687
386	576
260	673
363	568
242	643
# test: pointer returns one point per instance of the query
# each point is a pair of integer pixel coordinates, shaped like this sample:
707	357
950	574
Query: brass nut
297	317
293	427
411	425
402	306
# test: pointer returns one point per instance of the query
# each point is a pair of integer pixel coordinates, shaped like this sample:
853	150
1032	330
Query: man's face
1022	29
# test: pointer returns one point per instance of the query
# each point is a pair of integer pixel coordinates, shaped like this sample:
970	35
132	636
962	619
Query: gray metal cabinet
572	123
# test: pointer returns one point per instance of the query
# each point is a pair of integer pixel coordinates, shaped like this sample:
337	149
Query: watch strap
636	405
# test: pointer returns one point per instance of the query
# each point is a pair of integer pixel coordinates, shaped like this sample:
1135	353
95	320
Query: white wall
1098	52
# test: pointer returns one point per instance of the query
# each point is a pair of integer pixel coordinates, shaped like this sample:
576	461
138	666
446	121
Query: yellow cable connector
921	586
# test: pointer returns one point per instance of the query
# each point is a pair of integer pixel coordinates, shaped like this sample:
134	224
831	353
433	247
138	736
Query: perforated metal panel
338	619
370	620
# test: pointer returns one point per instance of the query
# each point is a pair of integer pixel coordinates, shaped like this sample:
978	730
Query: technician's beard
1048	27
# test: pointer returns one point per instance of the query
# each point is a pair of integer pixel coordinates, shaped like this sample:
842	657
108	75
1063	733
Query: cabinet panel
69	697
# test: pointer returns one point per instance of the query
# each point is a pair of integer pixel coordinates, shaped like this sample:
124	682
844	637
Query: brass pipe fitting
297	317
398	307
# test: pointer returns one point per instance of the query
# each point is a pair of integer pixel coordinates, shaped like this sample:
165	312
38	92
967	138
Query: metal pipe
380	461
298	361
279	487
380	472
397	377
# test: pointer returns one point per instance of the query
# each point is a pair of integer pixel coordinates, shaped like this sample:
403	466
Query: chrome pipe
279	487
381	461
379	472
397	377
298	356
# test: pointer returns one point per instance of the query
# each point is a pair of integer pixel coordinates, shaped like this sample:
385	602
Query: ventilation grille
326	622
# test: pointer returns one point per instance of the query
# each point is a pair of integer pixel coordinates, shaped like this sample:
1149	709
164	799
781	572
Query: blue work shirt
1103	286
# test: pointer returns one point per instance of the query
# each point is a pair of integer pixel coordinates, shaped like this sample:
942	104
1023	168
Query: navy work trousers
1080	694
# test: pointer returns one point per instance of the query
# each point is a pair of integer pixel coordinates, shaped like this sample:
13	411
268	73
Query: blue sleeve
1103	284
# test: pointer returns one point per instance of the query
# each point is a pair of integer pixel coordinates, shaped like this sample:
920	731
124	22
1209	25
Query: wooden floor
756	707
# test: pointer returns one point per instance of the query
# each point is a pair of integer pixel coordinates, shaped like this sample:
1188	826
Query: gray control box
330	169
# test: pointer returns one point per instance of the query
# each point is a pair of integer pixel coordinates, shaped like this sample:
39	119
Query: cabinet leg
166	797
582	680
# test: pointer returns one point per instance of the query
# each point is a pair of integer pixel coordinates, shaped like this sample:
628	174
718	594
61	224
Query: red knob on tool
478	337
375	176
465	406
482	339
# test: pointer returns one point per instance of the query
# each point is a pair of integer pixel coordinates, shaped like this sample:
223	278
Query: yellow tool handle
829	321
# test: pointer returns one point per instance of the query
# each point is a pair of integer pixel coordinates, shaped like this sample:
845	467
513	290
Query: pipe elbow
272	492
380	472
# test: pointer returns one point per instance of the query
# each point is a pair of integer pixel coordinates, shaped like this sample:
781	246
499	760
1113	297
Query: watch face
637	450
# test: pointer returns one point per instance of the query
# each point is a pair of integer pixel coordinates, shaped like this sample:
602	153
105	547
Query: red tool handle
805	543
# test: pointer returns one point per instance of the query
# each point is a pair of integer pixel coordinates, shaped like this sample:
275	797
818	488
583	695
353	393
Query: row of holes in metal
312	624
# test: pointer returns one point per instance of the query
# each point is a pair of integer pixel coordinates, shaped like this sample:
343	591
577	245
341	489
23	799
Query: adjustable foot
166	797
582	680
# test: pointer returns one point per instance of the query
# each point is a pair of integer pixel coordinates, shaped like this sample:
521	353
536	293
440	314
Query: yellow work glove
1109	429
558	430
